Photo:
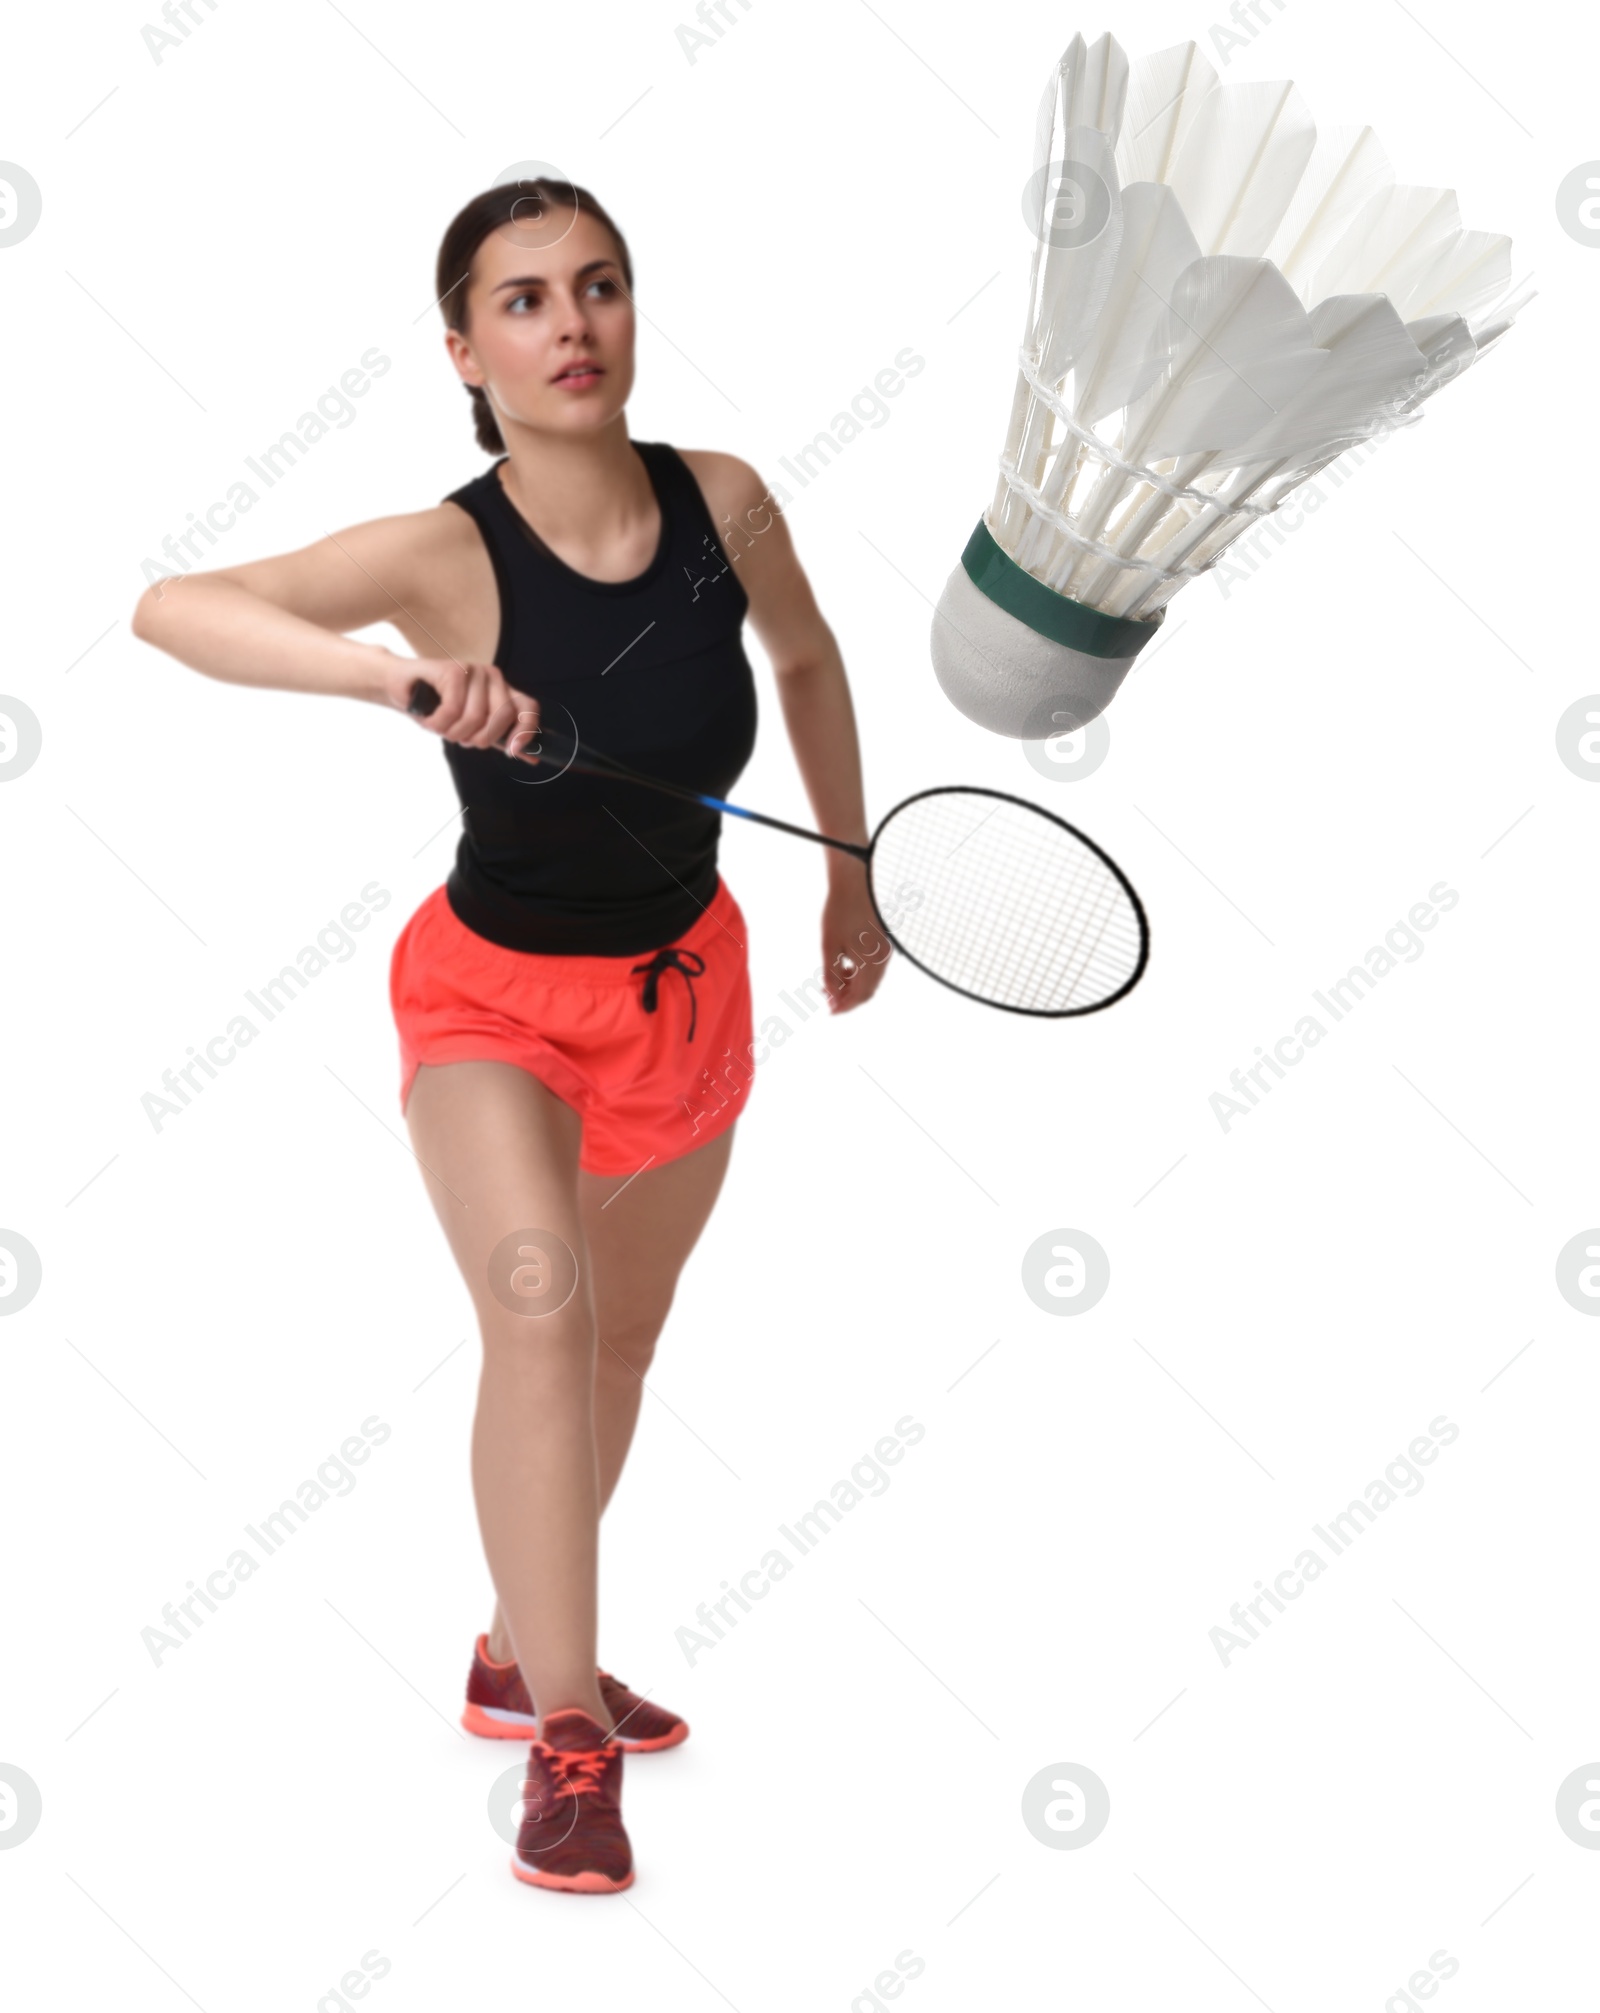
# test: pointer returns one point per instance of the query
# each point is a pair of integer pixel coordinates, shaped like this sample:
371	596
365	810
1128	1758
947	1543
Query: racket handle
425	700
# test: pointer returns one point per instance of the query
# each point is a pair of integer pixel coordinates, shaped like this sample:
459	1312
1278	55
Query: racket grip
425	700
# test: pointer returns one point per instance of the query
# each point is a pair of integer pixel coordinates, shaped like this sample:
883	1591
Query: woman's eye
606	287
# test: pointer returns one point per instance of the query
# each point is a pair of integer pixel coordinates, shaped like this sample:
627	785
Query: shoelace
581	1770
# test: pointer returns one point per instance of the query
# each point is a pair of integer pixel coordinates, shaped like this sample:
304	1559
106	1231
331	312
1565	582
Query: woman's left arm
815	695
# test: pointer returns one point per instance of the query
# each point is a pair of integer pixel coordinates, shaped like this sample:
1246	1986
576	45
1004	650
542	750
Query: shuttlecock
1222	301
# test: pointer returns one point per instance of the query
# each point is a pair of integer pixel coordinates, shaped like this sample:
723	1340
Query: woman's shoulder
731	487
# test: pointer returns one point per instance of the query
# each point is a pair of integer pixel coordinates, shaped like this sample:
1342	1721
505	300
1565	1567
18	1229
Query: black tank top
651	670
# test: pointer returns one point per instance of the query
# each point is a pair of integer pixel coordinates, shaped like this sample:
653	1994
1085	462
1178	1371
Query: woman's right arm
280	623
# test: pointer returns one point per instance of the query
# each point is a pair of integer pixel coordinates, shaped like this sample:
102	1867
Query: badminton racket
996	898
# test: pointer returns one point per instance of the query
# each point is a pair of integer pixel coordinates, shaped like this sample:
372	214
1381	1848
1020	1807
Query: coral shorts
653	1051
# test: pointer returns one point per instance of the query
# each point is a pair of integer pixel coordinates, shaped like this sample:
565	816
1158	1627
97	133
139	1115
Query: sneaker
639	1726
571	1835
498	1708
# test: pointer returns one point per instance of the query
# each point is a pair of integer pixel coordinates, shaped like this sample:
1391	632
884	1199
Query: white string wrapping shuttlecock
1222	301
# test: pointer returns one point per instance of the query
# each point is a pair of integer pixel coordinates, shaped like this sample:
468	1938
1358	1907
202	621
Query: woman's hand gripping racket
997	898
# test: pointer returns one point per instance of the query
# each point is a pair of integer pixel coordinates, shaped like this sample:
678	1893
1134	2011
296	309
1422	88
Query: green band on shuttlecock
995	573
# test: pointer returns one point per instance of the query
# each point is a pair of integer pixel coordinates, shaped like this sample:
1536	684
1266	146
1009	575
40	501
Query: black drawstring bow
672	959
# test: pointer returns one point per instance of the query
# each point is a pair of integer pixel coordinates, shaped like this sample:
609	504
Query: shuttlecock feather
1221	301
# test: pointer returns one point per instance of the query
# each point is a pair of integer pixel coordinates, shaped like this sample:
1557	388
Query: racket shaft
424	699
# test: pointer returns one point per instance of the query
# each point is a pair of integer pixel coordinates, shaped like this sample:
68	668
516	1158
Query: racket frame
1039	811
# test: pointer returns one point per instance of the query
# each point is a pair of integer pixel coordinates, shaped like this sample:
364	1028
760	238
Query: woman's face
545	296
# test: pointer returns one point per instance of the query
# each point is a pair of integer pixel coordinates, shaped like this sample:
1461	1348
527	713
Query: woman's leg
640	1230
500	1153
640	1234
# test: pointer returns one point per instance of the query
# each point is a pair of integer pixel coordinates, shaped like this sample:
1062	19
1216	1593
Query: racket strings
1003	901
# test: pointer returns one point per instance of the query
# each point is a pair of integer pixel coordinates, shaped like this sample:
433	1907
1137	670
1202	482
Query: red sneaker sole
519	1726
570	1883
507	1726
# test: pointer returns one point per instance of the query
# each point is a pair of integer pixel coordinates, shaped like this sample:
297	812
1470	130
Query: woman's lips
580	379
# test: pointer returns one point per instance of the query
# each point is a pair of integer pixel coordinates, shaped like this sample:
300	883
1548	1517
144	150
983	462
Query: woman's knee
539	1347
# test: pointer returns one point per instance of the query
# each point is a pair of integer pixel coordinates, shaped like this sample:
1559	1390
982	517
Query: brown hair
507	203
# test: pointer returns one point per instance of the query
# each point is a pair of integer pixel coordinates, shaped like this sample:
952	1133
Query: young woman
567	1000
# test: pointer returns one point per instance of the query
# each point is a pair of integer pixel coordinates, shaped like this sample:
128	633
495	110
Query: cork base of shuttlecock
1011	676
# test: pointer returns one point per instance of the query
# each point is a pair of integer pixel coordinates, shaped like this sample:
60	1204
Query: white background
226	1300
